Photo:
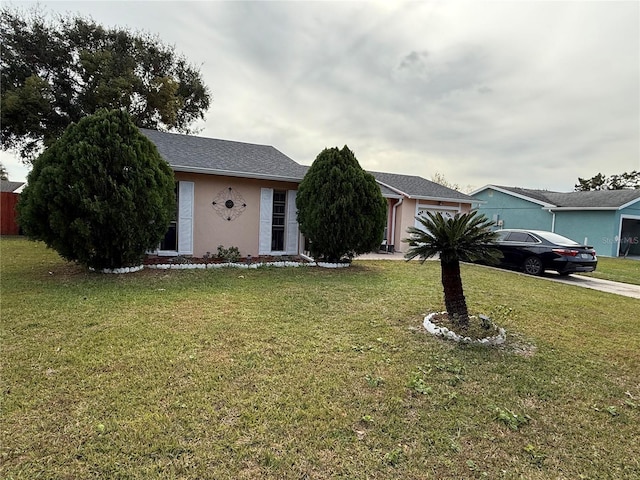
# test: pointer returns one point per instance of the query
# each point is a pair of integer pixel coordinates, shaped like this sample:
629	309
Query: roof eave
444	199
513	194
566	209
481	189
230	173
628	204
399	192
424	197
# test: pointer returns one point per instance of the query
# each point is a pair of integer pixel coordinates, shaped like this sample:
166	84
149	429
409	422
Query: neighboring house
411	196
10	187
8	199
607	219
243	195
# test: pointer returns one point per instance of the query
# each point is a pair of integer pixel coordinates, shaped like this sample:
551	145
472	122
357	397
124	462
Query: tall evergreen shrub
100	195
341	210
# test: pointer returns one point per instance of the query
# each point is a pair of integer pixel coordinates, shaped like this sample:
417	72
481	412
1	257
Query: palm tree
464	238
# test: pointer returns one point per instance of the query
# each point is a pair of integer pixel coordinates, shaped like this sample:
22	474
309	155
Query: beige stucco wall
210	229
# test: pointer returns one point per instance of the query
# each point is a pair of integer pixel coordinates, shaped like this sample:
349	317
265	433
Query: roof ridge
198	137
577	199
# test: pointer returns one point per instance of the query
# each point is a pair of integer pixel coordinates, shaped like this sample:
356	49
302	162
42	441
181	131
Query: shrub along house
243	195
607	219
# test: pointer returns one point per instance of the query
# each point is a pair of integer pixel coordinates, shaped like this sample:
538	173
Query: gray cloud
532	94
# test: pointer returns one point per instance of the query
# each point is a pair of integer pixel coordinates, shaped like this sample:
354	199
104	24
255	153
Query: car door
516	247
522	245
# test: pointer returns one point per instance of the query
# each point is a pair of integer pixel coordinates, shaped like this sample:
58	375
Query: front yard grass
625	270
291	373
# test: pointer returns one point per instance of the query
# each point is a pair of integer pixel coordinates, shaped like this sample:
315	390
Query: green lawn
306	373
624	270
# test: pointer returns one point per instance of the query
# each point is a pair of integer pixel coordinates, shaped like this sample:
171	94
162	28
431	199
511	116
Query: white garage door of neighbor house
422	212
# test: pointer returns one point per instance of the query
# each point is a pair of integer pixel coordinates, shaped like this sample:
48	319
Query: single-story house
607	219
9	195
241	194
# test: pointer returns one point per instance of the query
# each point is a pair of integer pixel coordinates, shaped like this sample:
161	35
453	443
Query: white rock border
444	332
332	265
202	266
190	266
136	268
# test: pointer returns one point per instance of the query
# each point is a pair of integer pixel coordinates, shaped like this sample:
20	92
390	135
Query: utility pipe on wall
553	220
393	221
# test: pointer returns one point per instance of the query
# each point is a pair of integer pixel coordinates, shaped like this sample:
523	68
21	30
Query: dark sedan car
535	251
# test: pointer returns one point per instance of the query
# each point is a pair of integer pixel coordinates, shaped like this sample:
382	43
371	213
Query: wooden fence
8	224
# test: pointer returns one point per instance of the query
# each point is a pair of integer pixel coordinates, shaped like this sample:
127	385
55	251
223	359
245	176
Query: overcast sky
528	94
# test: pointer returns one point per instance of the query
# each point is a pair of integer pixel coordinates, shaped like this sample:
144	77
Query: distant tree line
614	182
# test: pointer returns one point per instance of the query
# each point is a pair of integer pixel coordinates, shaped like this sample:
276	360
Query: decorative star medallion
229	204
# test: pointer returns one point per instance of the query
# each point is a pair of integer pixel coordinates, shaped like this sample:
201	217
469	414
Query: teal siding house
607	219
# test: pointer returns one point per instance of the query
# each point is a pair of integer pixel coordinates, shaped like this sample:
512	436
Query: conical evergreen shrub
341	210
101	195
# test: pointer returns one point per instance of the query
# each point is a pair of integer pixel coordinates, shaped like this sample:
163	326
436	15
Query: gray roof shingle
188	153
539	195
418	187
579	200
224	157
8	186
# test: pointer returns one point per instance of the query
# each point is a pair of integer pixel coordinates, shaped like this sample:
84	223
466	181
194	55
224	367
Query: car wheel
533	266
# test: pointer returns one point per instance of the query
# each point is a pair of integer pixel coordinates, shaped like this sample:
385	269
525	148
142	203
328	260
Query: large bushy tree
57	71
101	195
341	209
464	238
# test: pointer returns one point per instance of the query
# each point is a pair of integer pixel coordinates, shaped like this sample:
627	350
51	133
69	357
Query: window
278	220
179	236
521	237
278	233
502	236
170	240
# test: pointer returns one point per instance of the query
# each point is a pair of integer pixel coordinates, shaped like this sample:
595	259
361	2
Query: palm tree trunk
454	300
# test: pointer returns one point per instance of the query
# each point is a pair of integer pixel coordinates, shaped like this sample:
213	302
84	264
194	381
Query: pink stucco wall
210	229
407	211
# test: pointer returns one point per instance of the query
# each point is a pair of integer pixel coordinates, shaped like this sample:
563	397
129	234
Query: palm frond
465	237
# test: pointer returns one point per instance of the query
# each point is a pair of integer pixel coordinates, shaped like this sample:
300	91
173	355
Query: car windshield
557	239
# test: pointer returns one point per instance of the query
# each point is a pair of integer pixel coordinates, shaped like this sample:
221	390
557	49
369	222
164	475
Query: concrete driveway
608	286
618	288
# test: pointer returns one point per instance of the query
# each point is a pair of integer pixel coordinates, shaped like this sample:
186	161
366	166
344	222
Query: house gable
514	210
537	197
590	200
